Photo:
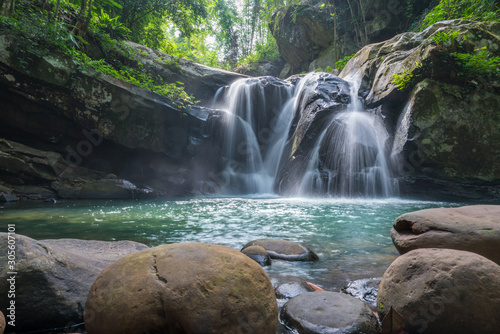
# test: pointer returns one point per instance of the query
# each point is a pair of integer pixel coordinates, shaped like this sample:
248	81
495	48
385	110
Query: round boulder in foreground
442	291
322	312
284	250
2	323
182	288
474	228
258	254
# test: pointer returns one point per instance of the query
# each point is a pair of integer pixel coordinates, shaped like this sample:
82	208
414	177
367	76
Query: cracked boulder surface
474	228
54	277
182	288
442	291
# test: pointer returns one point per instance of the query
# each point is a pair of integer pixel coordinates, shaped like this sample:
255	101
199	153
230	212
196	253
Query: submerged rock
54	277
442	291
258	254
8	198
181	288
474	228
328	312
365	290
290	290
284	250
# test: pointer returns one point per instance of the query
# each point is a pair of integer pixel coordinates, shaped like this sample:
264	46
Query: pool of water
351	237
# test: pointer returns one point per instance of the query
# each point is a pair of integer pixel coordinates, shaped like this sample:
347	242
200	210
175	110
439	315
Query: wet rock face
322	97
54	278
182	288
90	120
473	228
442	291
328	312
447	136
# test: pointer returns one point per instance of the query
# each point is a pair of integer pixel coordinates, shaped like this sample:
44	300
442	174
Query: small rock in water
322	312
258	254
284	250
364	289
286	291
8	198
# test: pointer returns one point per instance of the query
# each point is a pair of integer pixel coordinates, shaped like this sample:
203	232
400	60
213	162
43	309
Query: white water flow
245	101
349	158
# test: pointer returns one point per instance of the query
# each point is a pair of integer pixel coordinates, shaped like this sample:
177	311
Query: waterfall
257	117
346	157
349	158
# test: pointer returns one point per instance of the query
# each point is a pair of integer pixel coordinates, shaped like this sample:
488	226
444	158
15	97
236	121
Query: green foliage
36	35
402	79
136	76
267	51
446	38
478	10
105	24
481	63
340	64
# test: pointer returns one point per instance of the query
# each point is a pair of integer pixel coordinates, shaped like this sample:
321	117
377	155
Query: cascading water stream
252	129
348	158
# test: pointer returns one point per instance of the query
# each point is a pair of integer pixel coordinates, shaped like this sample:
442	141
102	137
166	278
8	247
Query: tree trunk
80	29
7	7
335	36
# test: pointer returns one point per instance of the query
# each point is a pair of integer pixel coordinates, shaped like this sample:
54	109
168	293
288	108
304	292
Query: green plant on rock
403	79
481	63
111	26
340	64
446	38
400	80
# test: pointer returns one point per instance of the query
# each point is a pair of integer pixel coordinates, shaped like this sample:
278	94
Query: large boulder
54	277
182	288
444	133
2	323
284	249
442	291
315	34
418	54
474	228
328	312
